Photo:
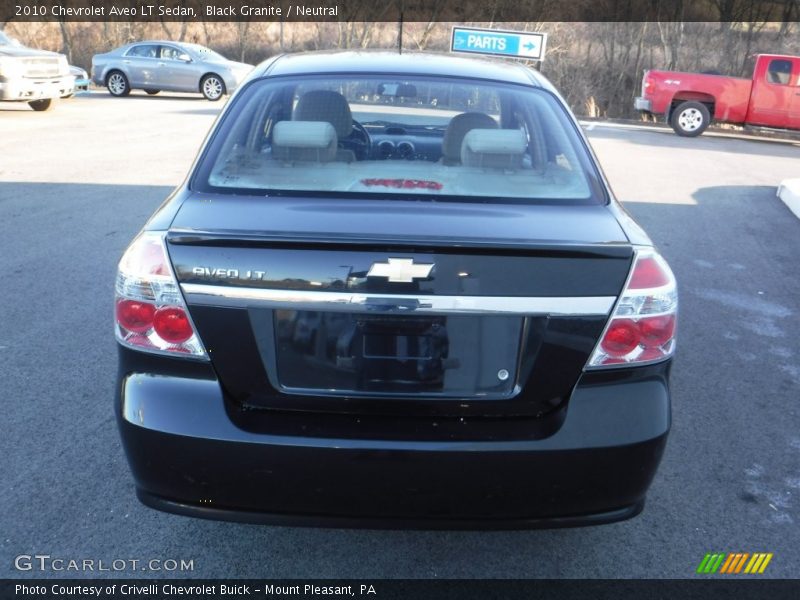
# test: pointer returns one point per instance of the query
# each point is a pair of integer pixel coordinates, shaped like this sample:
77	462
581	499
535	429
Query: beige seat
457	129
494	149
304	141
329	106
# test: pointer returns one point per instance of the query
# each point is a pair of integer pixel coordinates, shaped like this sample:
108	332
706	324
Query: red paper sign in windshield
405	184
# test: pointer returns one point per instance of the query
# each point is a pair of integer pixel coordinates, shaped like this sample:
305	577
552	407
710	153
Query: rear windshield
380	135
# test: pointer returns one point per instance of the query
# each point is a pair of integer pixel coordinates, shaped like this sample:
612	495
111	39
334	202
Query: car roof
170	42
394	63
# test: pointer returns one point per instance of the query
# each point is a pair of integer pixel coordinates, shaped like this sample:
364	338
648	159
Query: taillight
150	312
135	315
647	83
172	324
642	327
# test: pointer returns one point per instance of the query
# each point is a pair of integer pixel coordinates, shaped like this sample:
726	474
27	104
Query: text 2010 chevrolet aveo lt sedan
395	290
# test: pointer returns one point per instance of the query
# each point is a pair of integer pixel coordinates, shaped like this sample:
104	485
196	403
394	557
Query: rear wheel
41	105
152	92
212	87
690	119
117	84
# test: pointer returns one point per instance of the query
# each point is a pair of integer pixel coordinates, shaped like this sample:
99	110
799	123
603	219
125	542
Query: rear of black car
316	331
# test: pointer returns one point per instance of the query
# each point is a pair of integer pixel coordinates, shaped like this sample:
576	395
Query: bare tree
790	12
206	35
427	31
756	15
671	30
242	38
183	26
66	40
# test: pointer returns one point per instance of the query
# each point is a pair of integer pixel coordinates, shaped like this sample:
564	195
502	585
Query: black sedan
395	291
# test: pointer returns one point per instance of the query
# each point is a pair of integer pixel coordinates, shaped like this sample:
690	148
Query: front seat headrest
494	148
458	127
325	105
305	141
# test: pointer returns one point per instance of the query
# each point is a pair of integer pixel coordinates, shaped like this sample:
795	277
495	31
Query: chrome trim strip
216	295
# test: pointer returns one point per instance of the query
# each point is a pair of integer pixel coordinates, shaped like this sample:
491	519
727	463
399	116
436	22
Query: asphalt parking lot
77	183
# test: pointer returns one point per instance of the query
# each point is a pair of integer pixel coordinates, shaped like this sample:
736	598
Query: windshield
411	136
6	40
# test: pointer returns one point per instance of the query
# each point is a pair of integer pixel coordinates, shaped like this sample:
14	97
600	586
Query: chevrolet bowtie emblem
400	270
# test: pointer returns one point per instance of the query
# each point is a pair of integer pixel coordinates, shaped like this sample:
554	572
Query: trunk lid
395	306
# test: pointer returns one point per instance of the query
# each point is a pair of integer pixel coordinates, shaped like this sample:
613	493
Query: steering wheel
358	141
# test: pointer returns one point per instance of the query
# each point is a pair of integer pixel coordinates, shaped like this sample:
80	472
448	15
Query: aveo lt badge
400	270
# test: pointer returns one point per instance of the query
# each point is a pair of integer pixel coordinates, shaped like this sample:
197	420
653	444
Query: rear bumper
643	104
404	522
190	455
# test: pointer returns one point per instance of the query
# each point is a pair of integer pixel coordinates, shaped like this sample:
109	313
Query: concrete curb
789	192
785	137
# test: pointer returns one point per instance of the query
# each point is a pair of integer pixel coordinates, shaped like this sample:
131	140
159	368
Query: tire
212	87
690	119
152	92
42	105
117	84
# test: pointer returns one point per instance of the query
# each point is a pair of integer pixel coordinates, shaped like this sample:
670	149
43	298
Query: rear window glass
389	136
780	71
144	51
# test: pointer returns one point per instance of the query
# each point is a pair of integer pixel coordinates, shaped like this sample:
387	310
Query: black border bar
722	587
472	11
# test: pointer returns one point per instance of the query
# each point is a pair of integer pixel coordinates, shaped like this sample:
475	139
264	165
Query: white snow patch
746	303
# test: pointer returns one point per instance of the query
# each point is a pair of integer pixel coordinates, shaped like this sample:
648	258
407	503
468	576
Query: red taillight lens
172	324
642	327
621	338
135	315
648	274
656	331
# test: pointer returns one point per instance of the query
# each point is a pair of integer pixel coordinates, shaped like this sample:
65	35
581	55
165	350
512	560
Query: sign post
497	42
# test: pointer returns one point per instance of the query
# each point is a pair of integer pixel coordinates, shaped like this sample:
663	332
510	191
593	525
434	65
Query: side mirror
185	58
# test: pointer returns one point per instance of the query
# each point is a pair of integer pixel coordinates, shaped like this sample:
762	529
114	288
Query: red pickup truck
689	101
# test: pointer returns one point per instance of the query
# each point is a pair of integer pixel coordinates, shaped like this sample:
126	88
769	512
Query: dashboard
402	142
